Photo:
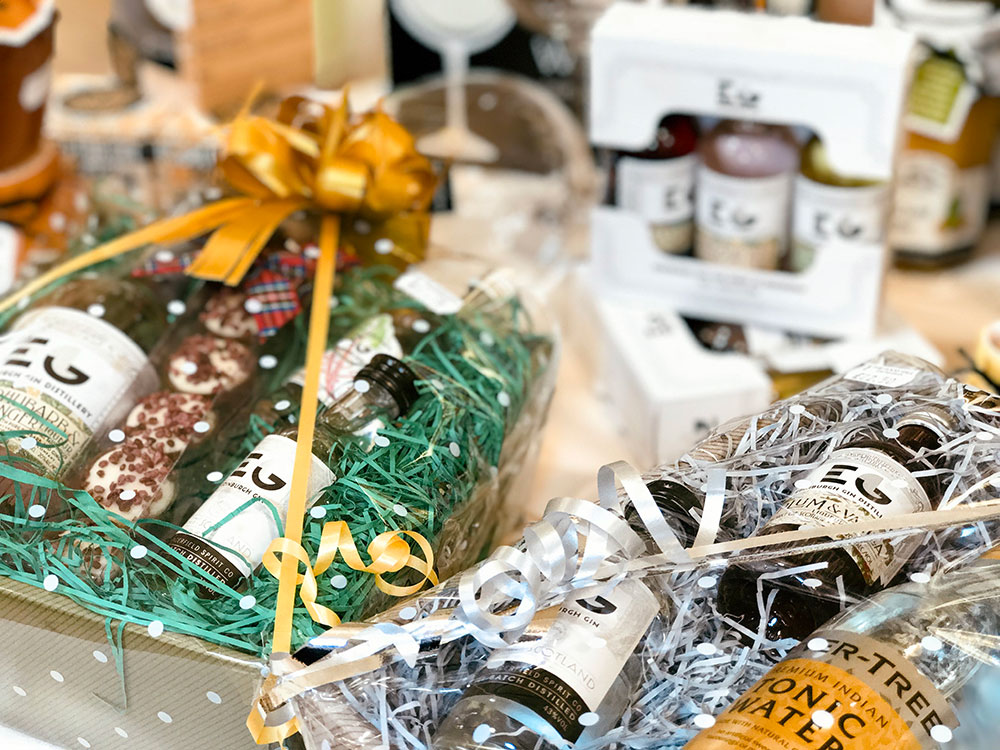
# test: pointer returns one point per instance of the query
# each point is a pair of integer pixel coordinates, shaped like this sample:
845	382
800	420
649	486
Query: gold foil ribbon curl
389	553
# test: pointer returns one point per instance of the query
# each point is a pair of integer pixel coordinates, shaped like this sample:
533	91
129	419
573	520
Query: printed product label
856	694
257	491
940	99
886	376
429	293
35	88
826	213
742	221
854	485
11	241
662	192
567	670
344	361
991	554
64	375
938	207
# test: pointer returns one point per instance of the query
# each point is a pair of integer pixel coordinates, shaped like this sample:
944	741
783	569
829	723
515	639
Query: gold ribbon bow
313	158
389	553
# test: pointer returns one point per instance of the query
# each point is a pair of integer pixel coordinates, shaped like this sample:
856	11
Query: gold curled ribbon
389	553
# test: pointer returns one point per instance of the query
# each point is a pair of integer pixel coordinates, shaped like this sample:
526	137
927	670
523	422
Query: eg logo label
58	365
598	605
854	477
729	94
827	226
270	483
678	198
734	218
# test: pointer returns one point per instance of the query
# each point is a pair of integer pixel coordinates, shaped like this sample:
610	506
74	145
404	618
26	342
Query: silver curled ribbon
576	544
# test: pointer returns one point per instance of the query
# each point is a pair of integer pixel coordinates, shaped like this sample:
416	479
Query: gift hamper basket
150	420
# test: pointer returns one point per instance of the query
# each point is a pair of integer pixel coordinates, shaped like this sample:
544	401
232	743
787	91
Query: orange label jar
943	181
26	33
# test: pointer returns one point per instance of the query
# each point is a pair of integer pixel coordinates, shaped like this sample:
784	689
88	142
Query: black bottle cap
393	375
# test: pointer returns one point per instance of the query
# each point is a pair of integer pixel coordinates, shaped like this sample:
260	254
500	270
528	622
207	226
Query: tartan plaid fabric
276	281
164	262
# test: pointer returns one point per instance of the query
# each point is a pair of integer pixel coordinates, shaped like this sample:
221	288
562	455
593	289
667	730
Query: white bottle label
429	293
662	192
11	242
742	221
74	371
343	362
576	659
35	87
885	376
826	213
938	207
853	485
259	490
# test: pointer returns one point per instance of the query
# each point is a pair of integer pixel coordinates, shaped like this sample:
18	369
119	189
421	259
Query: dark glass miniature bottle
230	549
535	694
396	332
867	478
658	183
72	365
744	194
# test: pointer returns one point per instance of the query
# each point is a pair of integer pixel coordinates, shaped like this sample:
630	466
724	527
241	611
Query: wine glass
457	29
569	21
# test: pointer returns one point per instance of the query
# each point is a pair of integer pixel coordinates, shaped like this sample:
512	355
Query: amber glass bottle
869	477
943	178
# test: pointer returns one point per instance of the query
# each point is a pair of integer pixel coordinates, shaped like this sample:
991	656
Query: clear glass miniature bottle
227	536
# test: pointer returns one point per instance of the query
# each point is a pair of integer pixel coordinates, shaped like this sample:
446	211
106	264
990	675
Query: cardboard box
666	390
847	84
62	684
233	45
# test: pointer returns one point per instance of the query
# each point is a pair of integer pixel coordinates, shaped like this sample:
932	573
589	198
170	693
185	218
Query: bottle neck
675	502
357	410
492	289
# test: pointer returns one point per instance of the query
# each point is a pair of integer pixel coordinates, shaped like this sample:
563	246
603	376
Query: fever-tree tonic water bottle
885	674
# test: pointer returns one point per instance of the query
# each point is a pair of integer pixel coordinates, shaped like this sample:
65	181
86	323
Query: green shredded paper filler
435	473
